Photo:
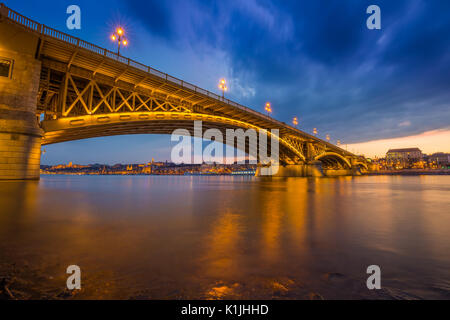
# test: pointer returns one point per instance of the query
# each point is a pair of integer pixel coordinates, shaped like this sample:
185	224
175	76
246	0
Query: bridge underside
76	128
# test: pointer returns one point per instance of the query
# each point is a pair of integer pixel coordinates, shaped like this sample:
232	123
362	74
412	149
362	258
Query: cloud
404	123
316	59
242	90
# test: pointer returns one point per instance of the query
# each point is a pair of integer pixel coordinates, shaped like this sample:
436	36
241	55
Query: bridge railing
21	19
50	32
43	30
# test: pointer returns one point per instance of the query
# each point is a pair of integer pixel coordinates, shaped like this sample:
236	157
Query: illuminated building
403	158
439	159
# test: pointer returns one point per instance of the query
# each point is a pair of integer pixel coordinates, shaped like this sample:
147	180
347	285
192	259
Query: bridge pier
356	171
310	169
338	172
20	135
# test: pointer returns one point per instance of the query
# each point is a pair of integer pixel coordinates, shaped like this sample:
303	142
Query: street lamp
339	143
327	137
315	131
295	121
223	87
268	108
119	37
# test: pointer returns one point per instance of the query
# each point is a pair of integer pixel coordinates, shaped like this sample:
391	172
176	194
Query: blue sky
312	59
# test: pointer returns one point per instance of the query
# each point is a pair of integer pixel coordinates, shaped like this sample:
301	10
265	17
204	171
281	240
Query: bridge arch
99	125
332	158
362	164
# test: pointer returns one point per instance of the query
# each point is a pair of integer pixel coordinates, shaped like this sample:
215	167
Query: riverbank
409	172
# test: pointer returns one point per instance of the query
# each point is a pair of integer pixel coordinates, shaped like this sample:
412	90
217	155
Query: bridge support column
356	171
314	169
310	169
338	172
20	135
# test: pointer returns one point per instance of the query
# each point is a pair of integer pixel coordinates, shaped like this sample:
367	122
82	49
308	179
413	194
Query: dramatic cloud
318	61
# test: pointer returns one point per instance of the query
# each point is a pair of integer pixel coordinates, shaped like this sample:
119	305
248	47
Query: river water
223	237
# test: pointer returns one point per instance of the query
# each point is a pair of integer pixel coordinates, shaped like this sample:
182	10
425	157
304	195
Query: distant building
404	158
439	158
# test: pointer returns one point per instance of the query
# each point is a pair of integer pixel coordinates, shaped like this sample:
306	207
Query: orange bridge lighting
268	108
223	87
119	37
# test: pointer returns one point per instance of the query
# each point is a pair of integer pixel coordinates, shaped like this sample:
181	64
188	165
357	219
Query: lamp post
268	108
327	137
339	143
315	131
119	36
223	87
295	122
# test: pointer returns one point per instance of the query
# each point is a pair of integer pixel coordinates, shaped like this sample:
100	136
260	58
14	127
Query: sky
317	60
429	142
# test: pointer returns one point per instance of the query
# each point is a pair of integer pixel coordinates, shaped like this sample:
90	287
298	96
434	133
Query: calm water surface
166	237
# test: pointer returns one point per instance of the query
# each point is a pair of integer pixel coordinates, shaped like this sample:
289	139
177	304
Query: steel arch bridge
86	91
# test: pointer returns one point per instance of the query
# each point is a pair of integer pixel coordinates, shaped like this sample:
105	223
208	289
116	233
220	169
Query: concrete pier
311	169
338	172
20	135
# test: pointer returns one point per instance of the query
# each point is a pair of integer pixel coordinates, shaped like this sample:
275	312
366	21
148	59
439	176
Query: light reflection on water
227	237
